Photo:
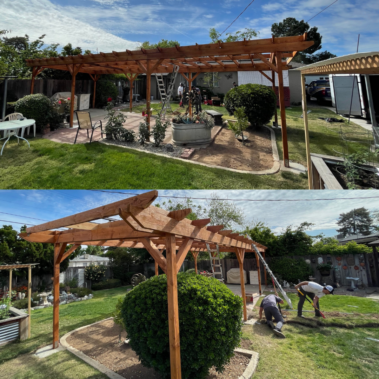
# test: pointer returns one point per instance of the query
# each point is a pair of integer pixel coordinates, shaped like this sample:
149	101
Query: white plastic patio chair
11	117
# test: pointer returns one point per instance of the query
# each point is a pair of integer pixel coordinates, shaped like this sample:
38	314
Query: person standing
313	290
270	308
235	85
180	94
199	99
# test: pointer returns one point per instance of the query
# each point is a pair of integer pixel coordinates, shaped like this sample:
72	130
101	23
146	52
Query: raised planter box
191	134
15	327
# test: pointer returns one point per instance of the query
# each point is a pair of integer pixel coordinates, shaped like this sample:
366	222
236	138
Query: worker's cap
330	289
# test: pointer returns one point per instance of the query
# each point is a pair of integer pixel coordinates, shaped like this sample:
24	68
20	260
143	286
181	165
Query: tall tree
293	27
162	43
239	35
357	221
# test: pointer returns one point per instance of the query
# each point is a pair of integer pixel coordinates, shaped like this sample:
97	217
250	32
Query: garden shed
141	225
273	54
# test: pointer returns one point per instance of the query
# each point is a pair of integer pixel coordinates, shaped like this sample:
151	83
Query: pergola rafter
141	226
255	55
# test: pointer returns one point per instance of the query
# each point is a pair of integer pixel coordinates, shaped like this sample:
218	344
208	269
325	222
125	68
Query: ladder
214	256
288	300
166	97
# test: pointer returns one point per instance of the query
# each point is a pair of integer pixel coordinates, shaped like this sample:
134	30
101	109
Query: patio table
12	128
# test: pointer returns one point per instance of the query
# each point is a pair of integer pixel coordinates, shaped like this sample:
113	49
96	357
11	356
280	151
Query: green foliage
290	269
144	133
5	304
114	125
333	248
247	34
210	78
159	131
68	50
117	315
351	163
105	89
72	283
106	284
190	271
120	260
37	107
241	124
94	250
162	43
81	291
356	221
259	102
210	324
324	267
95	273
23	303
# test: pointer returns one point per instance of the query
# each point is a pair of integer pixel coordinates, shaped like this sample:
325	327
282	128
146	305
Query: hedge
106	284
290	269
210	324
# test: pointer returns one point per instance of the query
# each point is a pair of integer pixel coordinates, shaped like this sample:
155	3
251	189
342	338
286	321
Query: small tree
95	273
159	131
144	133
241	124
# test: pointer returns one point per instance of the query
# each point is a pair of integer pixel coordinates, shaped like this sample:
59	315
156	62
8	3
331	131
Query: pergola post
282	110
131	81
156	268
29	300
10	284
306	131
195	254
264	257
173	307
241	256
148	93
73	82
274	89
35	72
259	274
95	78
56	297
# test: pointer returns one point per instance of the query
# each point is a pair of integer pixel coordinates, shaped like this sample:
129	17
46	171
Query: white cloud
208	15
37	17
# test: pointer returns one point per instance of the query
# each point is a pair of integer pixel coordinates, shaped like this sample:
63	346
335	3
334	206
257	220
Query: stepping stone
187	153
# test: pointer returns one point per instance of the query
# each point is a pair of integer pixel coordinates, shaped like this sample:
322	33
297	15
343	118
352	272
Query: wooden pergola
272	54
141	226
359	63
29	266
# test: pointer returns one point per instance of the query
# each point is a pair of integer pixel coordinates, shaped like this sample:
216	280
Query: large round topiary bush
37	107
259	102
290	269
210	324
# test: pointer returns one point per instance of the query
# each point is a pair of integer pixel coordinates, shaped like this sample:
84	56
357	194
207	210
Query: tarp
233	276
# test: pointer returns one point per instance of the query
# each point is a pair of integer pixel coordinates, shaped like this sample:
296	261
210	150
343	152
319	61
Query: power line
11	214
14	222
238	17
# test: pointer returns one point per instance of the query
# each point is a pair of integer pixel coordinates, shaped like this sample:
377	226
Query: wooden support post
274	89
33	81
173	308
264	257
131	81
306	132
73	82
240	257
10	284
95	79
57	249
195	254
29	299
156	269
259	274
189	89
148	92
282	111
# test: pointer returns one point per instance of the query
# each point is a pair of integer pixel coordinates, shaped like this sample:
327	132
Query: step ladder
288	300
214	256
166	97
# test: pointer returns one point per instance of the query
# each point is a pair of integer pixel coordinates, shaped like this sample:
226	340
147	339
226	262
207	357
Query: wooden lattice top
11	267
253	55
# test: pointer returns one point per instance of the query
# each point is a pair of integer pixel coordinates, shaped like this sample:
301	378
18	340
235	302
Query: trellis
141	225
273	54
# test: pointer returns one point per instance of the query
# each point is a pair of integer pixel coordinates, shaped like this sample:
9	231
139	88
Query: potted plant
192	130
324	269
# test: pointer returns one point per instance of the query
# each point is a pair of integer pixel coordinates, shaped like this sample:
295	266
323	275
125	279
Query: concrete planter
191	134
15	327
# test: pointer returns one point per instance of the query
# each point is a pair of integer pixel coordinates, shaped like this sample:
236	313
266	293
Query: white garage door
255	77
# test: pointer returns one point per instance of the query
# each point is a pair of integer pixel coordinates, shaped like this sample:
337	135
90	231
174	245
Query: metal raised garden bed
15	327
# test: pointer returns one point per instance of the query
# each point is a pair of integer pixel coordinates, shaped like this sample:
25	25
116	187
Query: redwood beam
183	251
173	308
241	256
156	268
282	111
195	254
148	94
274	89
259	274
73	82
57	251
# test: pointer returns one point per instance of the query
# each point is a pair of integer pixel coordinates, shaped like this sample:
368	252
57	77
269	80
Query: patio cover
141	225
272	54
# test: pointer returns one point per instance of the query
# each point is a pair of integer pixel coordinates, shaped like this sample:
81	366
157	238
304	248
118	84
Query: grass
324	137
313	351
51	165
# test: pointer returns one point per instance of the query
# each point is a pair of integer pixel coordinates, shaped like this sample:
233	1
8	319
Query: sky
106	25
33	207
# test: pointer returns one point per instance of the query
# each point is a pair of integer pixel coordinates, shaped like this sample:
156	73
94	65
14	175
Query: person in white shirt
313	290
180	94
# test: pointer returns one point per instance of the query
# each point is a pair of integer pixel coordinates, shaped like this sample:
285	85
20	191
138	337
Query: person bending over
270	308
313	290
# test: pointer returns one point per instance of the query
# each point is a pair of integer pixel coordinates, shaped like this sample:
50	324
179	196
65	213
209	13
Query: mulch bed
101	342
227	151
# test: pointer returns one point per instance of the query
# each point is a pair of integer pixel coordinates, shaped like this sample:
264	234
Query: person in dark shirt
270	308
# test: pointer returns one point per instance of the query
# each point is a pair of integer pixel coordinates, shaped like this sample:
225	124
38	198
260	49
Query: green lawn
51	165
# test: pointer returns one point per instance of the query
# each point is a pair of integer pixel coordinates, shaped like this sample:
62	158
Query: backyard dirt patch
100	342
227	151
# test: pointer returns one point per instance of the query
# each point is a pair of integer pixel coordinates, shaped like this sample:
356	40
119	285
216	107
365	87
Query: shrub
120	273
210	324
290	269
106	284
73	283
5	304
23	303
81	291
159	131
114	125
259	102
105	89
94	272
144	133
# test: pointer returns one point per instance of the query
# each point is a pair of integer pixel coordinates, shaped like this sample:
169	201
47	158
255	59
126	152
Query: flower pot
183	134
